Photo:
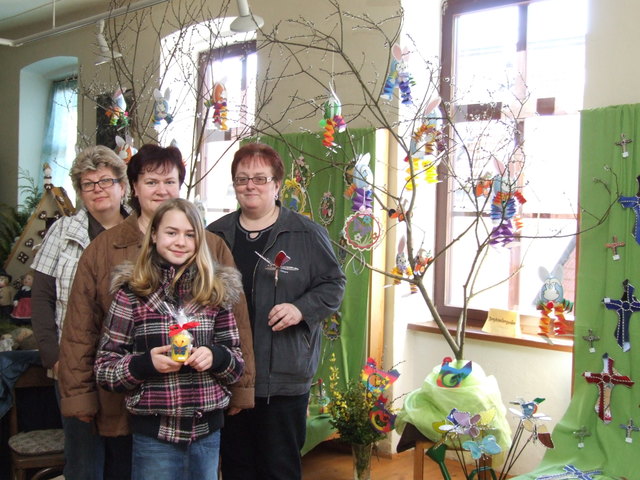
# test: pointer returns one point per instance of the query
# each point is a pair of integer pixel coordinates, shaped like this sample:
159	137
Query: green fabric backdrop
327	167
599	276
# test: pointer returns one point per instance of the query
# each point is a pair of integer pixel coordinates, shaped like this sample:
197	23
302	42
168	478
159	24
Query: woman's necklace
255	225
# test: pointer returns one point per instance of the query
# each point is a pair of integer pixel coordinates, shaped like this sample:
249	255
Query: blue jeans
155	459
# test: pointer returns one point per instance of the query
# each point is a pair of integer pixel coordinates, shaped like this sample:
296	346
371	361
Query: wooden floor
331	462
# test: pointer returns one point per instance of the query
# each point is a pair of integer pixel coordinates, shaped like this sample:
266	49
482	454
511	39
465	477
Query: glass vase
361	461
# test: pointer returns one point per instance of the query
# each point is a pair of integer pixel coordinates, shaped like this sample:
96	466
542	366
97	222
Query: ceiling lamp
105	54
246	22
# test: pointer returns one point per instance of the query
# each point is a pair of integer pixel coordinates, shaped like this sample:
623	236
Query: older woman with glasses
99	179
155	174
286	306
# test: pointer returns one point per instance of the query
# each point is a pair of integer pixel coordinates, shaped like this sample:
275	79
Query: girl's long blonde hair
207	288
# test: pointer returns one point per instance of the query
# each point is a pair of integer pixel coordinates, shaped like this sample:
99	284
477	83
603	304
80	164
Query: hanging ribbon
175	328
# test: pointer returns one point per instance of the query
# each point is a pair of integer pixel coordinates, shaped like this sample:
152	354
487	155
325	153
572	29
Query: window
525	57
58	148
227	74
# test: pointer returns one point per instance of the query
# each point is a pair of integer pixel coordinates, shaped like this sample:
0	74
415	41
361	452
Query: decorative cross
591	338
623	143
572	472
624	307
606	380
580	434
614	247
634	203
630	428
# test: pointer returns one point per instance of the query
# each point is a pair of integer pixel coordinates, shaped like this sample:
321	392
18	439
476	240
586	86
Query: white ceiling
19	18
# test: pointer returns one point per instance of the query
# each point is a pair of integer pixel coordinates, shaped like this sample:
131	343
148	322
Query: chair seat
38	442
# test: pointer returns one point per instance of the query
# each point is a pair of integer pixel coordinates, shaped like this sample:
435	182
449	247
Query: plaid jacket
181	401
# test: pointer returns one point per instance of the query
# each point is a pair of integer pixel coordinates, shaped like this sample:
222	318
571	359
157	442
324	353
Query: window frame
205	58
452	9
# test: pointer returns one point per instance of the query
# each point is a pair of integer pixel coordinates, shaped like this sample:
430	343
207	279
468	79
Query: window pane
485	52
555	52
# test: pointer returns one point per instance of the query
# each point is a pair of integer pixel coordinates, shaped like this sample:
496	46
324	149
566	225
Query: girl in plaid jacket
176	406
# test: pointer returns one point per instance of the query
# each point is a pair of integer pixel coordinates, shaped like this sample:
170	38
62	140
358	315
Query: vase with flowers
360	412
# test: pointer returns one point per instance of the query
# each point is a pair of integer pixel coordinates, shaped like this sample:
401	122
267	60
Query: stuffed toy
6	294
21	313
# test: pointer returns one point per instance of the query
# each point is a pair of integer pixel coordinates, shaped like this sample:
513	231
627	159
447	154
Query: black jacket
316	289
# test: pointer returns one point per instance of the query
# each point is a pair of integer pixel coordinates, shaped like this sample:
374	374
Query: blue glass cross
634	203
624	307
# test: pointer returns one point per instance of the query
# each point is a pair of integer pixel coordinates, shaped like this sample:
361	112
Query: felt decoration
629	428
402	267
451	377
572	473
624	307
487	446
327	209
161	107
551	303
605	381
376	379
580	434
633	203
624	141
614	245
117	111
591	338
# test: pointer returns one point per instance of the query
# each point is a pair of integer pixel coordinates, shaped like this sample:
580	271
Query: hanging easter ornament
331	326
361	189
327	208
423	148
551	302
402	267
218	102
301	172
161	107
124	148
292	195
332	120
361	230
117	111
398	76
506	196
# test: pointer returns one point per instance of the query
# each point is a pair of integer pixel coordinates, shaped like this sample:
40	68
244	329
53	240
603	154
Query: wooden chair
41	450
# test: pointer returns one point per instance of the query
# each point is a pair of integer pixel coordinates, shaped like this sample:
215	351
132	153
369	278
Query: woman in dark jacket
292	281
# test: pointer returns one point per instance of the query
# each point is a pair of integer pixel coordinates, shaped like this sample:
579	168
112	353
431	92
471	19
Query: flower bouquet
360	411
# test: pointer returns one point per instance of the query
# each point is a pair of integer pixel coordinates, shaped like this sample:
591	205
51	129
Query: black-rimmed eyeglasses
259	180
103	183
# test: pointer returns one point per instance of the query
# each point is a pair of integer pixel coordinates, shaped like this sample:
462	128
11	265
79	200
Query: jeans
155	459
264	443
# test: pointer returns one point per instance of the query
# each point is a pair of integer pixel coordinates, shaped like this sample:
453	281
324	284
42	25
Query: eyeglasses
104	183
259	180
